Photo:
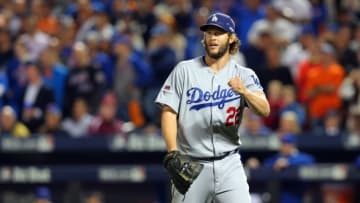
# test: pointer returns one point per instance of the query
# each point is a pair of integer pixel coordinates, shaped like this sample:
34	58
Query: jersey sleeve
171	90
251	81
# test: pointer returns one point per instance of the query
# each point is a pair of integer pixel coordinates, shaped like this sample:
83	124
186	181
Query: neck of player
217	64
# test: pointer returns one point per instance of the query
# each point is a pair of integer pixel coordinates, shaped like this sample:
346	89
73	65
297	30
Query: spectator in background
52	123
78	123
288	124
253	126
289	103
274	97
194	46
102	23
4	87
357	162
106	123
100	52
349	91
66	36
35	98
17	73
354	7
84	79
274	70
347	57
177	40
6	56
288	156
331	126
16	16
249	12
54	74
162	59
283	30
355	42
6	49
298	51
35	40
319	15
47	22
313	61
10	126
133	74
353	122
255	52
100	59
183	15
146	17
42	195
322	85
128	26
95	197
298	12
344	16
83	13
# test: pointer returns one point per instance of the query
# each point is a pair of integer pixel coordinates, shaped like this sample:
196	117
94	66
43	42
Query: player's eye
214	33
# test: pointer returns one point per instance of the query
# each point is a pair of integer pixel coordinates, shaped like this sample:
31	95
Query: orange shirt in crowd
320	103
49	25
304	68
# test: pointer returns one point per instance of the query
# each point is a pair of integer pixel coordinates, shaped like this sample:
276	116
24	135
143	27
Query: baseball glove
182	170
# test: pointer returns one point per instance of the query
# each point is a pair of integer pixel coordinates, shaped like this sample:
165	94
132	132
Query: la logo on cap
214	18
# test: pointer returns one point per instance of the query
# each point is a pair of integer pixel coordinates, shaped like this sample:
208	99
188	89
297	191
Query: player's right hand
237	85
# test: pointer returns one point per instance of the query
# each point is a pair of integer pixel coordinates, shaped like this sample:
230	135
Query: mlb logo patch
167	87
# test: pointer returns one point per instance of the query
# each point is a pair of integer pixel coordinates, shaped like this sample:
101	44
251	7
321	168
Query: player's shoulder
188	66
241	68
190	63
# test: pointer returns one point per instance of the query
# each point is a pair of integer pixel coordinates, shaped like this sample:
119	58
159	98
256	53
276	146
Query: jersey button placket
213	115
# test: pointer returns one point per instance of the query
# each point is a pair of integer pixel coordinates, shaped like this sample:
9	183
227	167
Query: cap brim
206	26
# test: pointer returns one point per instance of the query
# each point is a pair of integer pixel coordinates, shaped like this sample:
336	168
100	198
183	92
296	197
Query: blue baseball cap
98	7
43	192
121	39
221	21
159	29
288	139
54	109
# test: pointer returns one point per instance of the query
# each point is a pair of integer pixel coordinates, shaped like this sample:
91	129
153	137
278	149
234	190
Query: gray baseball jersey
209	111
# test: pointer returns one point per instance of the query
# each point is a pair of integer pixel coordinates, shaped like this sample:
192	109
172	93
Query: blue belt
216	158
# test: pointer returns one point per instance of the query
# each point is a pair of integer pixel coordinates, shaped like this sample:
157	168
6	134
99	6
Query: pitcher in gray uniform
202	102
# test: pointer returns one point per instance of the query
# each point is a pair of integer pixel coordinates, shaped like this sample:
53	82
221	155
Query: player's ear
232	38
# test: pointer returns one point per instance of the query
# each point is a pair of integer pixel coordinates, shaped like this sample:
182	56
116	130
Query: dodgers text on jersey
202	99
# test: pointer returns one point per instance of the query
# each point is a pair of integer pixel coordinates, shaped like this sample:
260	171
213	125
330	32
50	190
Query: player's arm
255	100
169	127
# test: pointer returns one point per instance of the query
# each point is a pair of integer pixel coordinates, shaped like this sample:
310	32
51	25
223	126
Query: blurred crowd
94	67
43	194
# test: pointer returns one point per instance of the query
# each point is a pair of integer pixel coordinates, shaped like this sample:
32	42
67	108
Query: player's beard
221	51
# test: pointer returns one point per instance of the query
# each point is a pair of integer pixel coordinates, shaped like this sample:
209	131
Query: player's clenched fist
237	85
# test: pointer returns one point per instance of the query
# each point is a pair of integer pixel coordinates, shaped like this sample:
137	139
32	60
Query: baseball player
202	102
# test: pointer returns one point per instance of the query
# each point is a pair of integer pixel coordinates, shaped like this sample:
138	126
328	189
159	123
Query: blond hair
234	46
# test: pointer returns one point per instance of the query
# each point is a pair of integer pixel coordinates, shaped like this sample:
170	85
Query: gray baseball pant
221	181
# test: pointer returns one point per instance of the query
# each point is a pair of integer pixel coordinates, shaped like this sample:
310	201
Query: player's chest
209	91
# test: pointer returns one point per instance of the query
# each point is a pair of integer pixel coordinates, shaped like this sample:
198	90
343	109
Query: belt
216	158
